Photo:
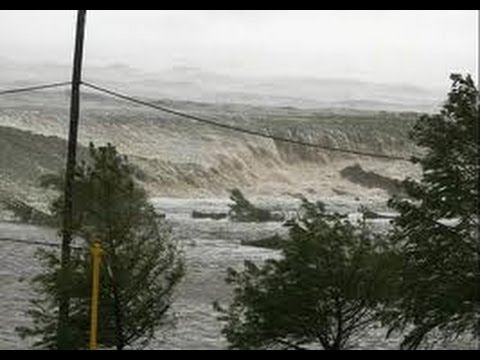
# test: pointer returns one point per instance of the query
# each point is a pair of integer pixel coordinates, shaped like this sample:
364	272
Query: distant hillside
24	157
194	84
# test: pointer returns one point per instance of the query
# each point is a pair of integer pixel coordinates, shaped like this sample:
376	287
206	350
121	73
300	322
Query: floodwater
210	247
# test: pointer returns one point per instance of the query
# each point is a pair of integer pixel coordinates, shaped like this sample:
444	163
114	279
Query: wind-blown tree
437	228
329	286
140	267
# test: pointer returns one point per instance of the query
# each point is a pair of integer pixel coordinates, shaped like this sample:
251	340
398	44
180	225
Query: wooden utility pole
63	331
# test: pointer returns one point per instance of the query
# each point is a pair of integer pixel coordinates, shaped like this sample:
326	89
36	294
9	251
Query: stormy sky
419	47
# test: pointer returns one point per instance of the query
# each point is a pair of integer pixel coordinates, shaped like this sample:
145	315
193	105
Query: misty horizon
195	69
419	48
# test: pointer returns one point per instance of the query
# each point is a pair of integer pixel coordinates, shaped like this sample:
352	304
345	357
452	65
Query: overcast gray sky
417	46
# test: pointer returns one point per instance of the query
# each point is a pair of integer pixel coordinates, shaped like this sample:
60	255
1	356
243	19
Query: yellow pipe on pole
96	251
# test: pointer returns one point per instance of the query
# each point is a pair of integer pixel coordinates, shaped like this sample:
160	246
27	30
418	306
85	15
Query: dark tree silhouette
140	267
437	229
328	287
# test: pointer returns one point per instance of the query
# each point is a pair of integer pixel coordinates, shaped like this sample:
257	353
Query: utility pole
63	331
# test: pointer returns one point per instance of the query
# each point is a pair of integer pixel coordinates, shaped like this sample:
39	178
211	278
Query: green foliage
243	210
329	286
437	229
140	267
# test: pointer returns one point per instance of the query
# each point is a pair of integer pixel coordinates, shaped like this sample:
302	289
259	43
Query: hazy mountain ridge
195	84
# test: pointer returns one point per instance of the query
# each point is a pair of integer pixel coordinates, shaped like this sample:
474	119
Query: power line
35	242
205	120
29	242
33	88
239	129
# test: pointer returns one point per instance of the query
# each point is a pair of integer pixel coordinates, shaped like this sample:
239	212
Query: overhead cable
216	123
34	88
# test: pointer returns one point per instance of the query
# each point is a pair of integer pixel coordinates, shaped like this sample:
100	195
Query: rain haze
419	47
229	122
